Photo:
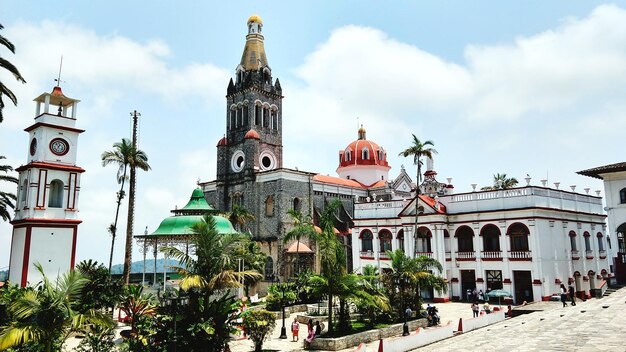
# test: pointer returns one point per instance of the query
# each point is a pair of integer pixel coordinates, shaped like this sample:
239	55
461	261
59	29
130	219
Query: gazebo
175	231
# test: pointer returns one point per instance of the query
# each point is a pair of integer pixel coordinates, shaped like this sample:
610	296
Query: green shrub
258	324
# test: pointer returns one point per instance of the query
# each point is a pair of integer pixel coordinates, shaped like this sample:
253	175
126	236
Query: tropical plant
135	304
6	199
207	269
248	256
417	150
258	324
412	275
126	157
46	315
279	294
239	216
100	291
97	339
501	181
5	64
303	228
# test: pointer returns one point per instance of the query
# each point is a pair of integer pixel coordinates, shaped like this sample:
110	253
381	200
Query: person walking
481	295
295	329
572	294
563	295
475	309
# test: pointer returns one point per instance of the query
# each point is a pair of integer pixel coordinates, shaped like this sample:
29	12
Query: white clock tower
45	226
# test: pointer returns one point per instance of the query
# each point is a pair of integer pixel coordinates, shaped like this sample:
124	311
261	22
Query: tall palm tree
6	199
5	64
303	228
49	313
239	216
418	149
501	181
126	157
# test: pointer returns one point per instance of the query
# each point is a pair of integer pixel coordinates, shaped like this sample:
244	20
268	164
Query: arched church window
348	155
231	123
257	115
238	118
274	119
365	154
622	196
296	204
56	194
269	206
269	268
245	115
266	117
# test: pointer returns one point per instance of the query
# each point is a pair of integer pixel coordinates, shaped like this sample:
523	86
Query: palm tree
418	150
126	157
6	199
417	273
239	216
5	64
303	228
210	268
500	181
47	314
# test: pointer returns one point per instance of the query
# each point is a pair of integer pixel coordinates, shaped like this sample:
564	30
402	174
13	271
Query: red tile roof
597	171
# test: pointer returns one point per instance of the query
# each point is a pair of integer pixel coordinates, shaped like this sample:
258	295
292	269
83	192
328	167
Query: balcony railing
589	254
520	255
497	255
602	254
465	255
426	254
383	255
448	256
575	254
367	254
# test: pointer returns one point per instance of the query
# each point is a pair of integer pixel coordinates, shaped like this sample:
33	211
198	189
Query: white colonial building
525	240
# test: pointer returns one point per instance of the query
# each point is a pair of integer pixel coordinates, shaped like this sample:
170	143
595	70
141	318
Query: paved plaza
586	327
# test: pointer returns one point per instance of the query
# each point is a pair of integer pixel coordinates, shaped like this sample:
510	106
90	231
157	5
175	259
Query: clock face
59	146
33	146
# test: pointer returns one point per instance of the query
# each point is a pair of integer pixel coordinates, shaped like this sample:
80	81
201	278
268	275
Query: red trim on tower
73	260
26	257
45	222
43	124
51	166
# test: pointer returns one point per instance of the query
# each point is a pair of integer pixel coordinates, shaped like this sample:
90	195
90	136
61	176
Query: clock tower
46	221
253	139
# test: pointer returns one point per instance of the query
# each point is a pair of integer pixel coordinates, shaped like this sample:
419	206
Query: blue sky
516	87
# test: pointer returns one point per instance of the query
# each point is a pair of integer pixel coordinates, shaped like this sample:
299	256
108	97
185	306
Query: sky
533	87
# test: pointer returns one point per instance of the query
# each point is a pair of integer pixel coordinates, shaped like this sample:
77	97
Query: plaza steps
611	290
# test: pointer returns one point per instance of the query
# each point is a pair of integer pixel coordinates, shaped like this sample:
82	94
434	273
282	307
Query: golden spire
253	56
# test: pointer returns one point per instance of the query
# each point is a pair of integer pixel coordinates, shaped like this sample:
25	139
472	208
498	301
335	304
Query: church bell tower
46	221
253	139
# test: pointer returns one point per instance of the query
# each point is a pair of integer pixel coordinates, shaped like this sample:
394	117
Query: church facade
527	240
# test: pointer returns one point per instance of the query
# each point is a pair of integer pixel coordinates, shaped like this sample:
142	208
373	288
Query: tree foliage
501	181
258	324
7	65
7	199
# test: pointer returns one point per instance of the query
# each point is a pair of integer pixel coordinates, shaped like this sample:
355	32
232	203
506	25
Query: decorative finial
58	79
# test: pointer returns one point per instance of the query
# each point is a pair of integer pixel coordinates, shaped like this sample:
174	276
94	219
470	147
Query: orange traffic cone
380	346
460	328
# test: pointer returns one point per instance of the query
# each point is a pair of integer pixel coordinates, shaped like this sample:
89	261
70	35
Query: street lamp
172	302
282	287
401	282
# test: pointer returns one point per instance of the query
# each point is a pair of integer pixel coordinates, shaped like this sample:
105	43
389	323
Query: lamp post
401	282
283	329
173	302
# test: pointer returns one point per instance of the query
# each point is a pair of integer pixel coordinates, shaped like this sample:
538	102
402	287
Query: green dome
197	202
181	225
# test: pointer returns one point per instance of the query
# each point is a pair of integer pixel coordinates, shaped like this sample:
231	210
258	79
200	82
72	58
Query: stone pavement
448	311
594	325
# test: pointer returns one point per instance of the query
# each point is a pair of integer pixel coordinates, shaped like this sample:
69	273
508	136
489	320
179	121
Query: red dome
222	142
252	134
363	152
